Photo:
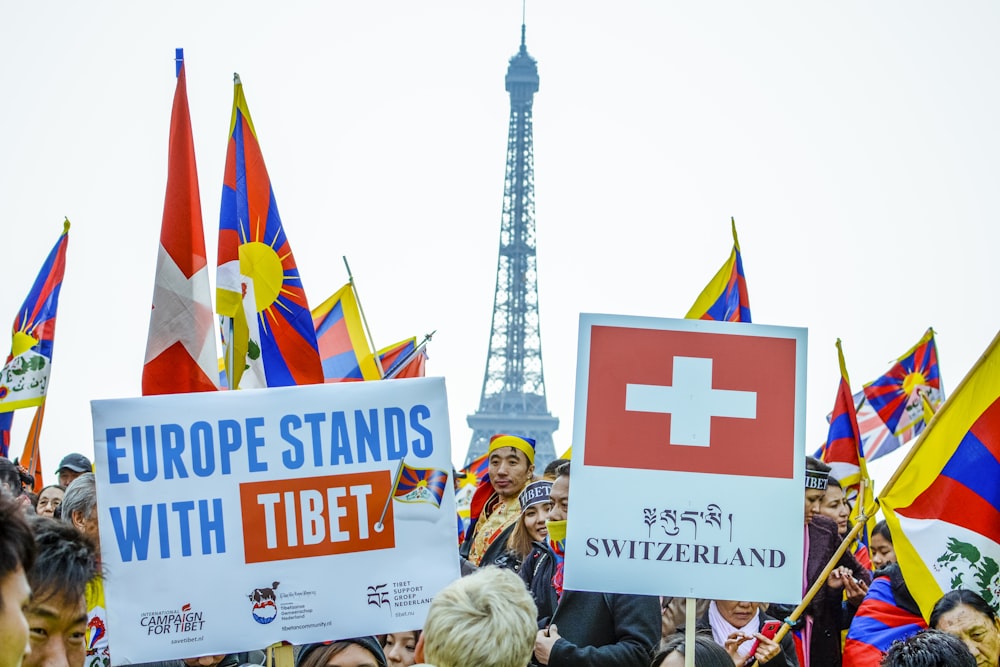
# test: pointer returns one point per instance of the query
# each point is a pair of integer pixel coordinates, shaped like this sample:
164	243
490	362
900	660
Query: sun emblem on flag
270	265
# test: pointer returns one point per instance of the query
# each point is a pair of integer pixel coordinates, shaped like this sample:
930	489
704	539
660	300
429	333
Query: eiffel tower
513	397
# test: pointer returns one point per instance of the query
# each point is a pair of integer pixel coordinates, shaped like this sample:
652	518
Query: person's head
57	612
880	545
355	652
969	617
11	479
817	476
487	619
71	467
400	648
706	653
928	648
737	612
79	506
49	499
550	470
512	464
17	556
559	494
835	506
530	526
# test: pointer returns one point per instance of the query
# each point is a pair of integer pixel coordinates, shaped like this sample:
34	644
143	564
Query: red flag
181	355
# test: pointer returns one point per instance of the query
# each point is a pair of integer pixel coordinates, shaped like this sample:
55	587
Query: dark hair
706	652
318	655
17	546
813	463
929	648
957	598
882	529
552	469
10	476
66	561
833	481
563	470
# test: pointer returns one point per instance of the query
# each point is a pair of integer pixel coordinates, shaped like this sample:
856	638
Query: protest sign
688	470
233	520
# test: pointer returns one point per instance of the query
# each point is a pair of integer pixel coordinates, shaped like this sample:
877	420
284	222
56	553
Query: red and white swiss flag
691	401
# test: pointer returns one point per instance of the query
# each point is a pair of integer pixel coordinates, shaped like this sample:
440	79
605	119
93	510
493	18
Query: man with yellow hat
495	506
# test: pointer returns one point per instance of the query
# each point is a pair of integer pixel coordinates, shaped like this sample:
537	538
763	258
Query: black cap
369	643
75	462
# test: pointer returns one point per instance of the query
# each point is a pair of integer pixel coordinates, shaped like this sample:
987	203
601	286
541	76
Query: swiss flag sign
692	400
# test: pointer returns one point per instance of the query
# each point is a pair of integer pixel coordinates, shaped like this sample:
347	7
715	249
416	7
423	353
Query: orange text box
316	516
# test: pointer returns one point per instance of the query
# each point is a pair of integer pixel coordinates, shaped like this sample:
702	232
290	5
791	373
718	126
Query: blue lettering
147	472
314	419
230	441
202	449
255	442
340	443
115	453
133	539
294	456
172	436
368	435
421	447
161	520
210	526
395	433
183	509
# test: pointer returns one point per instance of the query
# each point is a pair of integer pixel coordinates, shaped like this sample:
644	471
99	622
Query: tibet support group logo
264	604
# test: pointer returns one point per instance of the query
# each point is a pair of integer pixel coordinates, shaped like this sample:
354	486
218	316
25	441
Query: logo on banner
691	402
263	604
172	621
379	596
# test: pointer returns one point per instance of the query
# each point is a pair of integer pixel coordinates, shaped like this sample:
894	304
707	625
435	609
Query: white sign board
233	520
688	466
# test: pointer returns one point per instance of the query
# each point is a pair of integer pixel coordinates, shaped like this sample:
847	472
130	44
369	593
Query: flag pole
364	320
379	527
873	506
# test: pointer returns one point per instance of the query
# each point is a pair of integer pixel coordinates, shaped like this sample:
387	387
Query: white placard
688	474
233	520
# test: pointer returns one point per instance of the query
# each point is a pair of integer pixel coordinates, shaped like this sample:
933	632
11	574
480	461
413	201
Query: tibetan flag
404	359
887	614
340	333
725	298
477	470
24	380
842	451
180	348
896	395
268	333
944	509
420	485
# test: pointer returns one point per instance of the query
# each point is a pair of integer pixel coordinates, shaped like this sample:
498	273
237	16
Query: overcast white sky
855	143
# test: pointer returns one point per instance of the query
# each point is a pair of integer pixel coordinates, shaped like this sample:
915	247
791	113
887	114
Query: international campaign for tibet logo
691	401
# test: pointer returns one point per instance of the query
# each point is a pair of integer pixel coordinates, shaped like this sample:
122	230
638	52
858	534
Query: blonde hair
486	619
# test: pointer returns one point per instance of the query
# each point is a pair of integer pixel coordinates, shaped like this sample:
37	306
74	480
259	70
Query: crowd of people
510	607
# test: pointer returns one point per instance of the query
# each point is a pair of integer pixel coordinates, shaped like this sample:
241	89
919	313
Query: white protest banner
233	520
688	459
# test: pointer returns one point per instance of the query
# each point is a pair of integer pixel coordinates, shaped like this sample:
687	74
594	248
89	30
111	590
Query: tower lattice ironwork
513	397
